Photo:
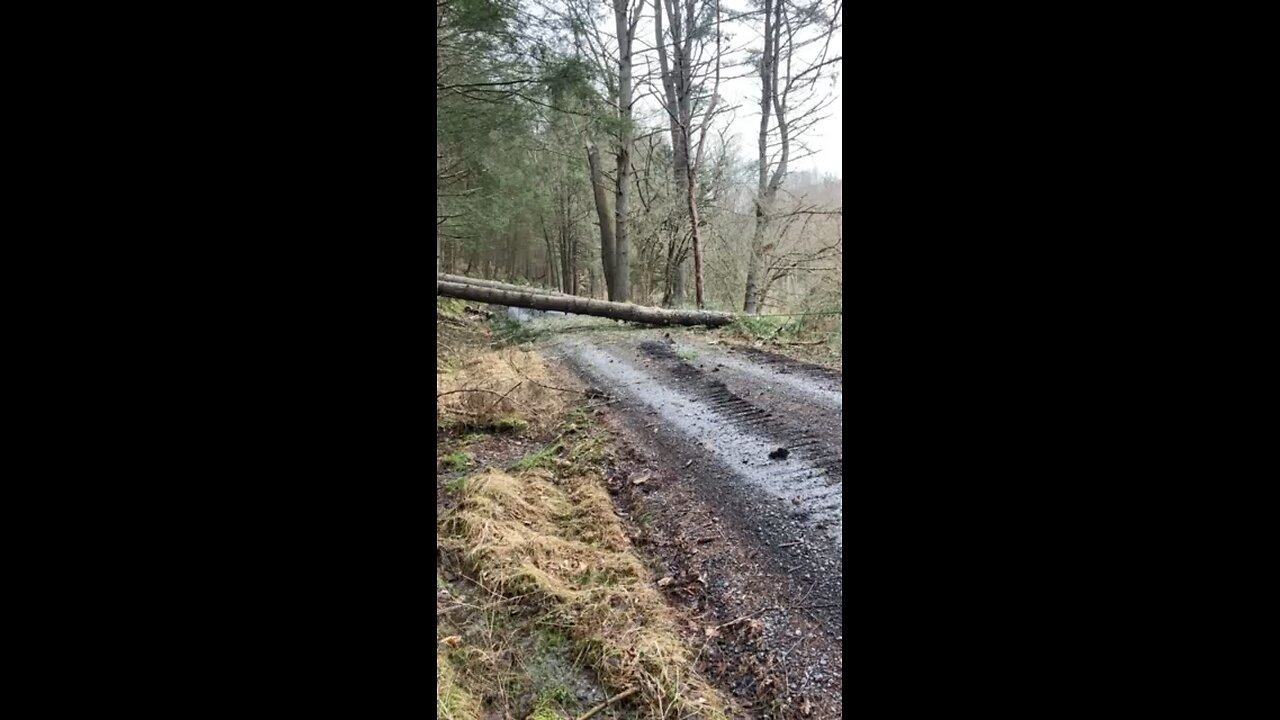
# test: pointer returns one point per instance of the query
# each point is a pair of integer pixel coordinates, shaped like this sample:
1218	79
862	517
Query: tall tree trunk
679	156
678	284
439	149
608	256
678	85
439	209
562	214
573	260
673	91
552	259
768	101
511	252
622	268
673	275
697	242
697	162
566	261
528	253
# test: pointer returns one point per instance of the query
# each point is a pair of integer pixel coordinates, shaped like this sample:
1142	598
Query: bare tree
808	242
790	103
613	64
684	71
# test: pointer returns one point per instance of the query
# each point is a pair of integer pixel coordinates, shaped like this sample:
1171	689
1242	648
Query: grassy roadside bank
543	610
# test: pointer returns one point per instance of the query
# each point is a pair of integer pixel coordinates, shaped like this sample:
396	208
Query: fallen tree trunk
462	280
582	306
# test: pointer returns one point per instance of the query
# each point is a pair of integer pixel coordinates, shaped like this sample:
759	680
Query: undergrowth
542	609
813	338
538	458
553	541
507	389
456	460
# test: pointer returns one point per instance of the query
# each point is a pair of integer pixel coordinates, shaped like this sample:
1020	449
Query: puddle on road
742	454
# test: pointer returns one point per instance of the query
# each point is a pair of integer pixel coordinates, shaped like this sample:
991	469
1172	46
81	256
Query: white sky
825	137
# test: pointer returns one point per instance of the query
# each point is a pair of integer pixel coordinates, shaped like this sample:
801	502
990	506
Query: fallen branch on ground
504	396
798	342
475	390
624	694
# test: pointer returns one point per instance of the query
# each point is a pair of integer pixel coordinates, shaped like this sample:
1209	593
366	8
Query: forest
656	152
639	385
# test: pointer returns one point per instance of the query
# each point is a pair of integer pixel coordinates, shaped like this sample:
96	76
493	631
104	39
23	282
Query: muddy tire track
798	408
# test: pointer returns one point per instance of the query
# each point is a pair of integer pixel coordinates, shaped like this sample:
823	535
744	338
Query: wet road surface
746	500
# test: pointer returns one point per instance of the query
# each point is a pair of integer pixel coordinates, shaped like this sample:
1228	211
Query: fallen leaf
666	581
640	480
453	641
712	632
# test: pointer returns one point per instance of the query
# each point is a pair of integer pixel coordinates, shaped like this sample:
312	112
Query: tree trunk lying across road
495	284
582	306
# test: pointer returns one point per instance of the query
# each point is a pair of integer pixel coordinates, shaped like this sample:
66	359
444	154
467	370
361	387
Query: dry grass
543	591
555	542
491	388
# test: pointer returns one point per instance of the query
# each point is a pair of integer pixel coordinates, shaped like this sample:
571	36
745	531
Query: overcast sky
744	92
825	137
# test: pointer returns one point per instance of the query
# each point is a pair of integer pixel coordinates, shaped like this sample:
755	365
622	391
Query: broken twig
624	694
504	396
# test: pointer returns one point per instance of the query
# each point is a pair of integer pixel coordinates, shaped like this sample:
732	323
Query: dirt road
731	480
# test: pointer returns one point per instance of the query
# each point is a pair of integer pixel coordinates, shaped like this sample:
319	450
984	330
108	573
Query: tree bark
582	306
608	255
679	157
439	212
697	162
568	272
572	289
697	241
674	89
766	187
750	302
622	268
462	280
677	281
552	264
